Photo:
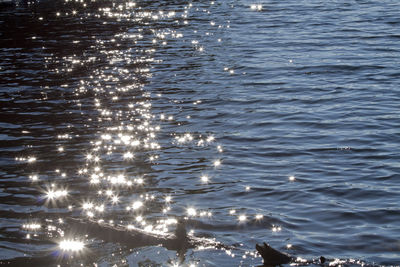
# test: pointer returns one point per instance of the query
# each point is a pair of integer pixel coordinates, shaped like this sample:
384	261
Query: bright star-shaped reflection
242	218
115	199
71	245
191	211
51	194
204	178
217	163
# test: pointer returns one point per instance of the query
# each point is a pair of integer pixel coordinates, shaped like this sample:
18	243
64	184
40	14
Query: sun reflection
217	163
71	245
204	178
115	199
127	135
29	159
257	7
54	194
242	218
34	177
137	204
128	155
191	211
259	216
210	139
87	205
276	228
174	264
32	226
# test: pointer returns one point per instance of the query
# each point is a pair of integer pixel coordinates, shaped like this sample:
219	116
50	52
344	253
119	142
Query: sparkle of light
137	204
191	211
204	178
242	218
259	216
217	163
71	245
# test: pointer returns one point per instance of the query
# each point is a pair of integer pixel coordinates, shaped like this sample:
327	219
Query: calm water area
253	121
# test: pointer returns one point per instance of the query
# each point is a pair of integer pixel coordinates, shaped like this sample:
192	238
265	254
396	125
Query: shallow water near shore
267	121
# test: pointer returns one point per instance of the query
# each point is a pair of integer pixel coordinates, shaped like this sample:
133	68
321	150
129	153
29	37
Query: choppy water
273	121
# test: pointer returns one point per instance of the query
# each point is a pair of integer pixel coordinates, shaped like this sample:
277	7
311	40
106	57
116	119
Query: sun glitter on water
71	245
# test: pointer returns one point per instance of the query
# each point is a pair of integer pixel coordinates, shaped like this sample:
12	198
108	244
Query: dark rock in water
271	256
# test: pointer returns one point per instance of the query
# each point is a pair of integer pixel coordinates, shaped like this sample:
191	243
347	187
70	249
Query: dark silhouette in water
271	256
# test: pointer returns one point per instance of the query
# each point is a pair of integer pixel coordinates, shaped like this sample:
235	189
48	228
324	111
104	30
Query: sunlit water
267	121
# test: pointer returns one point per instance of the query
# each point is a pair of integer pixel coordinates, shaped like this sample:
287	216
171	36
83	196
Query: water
270	121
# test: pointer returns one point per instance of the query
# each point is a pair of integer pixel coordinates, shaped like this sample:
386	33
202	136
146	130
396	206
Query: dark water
273	121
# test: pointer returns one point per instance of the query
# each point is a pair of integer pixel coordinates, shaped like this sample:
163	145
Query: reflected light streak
71	245
32	226
259	216
56	194
34	177
31	159
128	155
257	7
137	204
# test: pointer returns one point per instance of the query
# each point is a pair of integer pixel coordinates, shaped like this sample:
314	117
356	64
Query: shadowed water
273	121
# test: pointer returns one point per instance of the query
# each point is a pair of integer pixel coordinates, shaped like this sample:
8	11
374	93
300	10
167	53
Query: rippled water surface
269	121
